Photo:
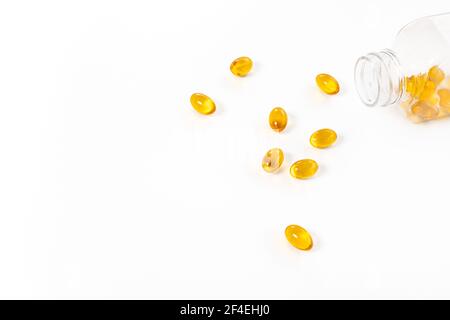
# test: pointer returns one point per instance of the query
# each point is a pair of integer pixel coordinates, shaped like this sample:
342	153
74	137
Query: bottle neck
379	79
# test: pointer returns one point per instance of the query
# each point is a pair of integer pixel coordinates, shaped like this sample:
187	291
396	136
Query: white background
112	186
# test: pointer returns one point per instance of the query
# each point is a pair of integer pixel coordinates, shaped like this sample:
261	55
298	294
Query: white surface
111	186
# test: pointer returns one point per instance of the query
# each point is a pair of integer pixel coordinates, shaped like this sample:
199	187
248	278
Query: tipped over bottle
414	73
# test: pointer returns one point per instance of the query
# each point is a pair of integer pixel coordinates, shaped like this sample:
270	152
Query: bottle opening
378	79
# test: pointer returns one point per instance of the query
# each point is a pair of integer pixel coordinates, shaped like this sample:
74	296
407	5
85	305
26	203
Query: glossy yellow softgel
444	99
241	66
273	160
415	84
304	169
436	74
202	103
429	94
278	119
327	84
424	110
299	237
323	138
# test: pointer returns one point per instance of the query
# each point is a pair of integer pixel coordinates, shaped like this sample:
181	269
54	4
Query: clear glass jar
414	73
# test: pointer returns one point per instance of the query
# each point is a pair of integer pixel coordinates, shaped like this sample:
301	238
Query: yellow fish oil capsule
416	84
327	84
241	66
202	103
304	169
436	75
428	94
323	138
273	159
424	110
278	119
299	237
444	99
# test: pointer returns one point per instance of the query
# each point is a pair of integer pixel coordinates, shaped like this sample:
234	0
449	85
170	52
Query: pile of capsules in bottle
428	95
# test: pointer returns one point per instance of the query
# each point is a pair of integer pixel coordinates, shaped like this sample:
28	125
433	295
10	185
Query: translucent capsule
436	75
327	84
428	93
424	110
323	138
202	103
416	84
278	119
273	159
444	99
304	169
241	66
299	237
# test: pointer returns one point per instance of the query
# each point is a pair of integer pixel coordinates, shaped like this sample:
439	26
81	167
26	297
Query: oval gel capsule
323	138
424	110
304	169
436	74
241	66
444	99
273	159
278	119
202	103
299	237
327	84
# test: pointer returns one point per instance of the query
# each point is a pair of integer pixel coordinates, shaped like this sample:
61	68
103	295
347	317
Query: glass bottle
414	73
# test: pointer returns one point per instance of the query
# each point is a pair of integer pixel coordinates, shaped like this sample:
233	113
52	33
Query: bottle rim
378	78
